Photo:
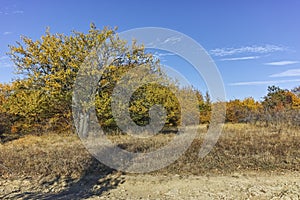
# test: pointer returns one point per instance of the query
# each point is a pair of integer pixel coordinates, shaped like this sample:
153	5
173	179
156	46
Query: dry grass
47	155
244	147
241	147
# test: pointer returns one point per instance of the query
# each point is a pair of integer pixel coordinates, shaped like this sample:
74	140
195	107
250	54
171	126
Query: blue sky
254	43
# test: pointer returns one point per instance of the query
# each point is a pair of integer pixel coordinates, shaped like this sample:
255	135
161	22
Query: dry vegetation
241	147
57	166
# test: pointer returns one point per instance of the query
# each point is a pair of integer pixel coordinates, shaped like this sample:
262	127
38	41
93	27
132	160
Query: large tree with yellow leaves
47	68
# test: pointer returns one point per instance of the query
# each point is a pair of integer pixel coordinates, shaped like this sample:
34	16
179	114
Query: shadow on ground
96	179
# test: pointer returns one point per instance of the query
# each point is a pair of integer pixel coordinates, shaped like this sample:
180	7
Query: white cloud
281	63
161	56
263	82
5	62
164	54
7	33
18	12
287	73
172	40
4	58
9	12
240	58
247	49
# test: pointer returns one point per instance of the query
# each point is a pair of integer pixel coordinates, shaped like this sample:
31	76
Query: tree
6	119
205	107
141	100
296	91
281	106
277	99
49	67
234	111
246	110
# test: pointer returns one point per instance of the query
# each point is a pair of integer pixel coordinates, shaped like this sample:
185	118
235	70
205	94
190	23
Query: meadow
241	147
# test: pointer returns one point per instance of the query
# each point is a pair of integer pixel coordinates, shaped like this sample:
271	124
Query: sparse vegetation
241	147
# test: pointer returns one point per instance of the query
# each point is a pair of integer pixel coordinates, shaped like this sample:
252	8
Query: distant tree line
278	107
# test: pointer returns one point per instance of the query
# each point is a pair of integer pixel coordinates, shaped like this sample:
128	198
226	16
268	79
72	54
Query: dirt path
116	186
204	187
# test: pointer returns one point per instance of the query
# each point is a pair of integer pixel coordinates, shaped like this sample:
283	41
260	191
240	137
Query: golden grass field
240	147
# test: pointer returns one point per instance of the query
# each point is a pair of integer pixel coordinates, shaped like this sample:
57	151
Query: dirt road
237	186
248	185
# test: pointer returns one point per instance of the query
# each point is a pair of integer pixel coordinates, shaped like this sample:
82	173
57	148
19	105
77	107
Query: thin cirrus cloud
273	82
240	58
17	12
287	73
14	12
7	33
161	56
282	63
172	40
164	54
4	58
262	49
5	62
